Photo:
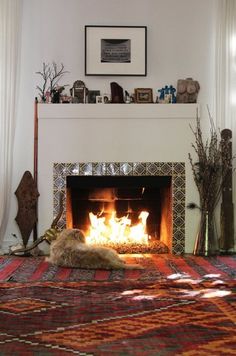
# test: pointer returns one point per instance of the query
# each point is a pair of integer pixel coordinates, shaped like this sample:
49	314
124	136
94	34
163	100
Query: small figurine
187	90
172	91
167	95
117	95
127	97
56	93
162	94
79	92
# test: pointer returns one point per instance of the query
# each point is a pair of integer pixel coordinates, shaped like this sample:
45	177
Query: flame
117	230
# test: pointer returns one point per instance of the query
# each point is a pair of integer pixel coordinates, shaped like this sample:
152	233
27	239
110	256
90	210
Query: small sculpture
127	97
79	92
187	90
117	95
167	95
56	94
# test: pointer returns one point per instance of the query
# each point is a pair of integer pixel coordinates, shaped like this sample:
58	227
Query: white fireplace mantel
80	133
117	111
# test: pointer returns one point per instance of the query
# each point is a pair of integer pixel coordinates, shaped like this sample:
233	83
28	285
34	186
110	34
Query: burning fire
117	230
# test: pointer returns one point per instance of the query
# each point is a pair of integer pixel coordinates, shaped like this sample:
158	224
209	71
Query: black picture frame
92	96
115	50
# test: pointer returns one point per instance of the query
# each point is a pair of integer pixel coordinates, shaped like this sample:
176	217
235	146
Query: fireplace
128	213
149	196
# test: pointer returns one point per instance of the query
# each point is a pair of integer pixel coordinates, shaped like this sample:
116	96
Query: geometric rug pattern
155	267
179	316
176	305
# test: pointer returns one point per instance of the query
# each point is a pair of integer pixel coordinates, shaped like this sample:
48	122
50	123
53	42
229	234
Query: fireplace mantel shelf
117	111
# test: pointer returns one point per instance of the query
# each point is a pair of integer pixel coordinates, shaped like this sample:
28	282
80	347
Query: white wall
180	45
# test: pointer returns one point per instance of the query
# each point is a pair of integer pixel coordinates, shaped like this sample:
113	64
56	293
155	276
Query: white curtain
226	64
10	30
226	79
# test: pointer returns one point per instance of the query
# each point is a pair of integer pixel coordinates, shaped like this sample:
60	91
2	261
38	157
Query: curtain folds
226	64
10	33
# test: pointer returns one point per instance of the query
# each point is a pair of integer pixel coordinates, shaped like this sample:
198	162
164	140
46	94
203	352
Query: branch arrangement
51	75
211	168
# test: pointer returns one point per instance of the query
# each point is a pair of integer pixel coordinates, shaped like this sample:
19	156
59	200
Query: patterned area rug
156	267
179	316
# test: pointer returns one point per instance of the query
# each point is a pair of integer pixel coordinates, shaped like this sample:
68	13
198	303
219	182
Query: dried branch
55	75
211	168
45	76
51	76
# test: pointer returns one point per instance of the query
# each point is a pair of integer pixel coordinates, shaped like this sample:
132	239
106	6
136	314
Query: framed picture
92	96
116	50
143	95
106	98
99	99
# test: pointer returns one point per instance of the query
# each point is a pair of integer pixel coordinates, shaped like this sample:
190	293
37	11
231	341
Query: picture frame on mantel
143	95
116	50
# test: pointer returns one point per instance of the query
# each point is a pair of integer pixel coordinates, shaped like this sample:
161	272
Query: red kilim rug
156	267
181	316
174	306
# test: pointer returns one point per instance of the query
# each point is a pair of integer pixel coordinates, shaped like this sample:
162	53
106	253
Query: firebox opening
138	206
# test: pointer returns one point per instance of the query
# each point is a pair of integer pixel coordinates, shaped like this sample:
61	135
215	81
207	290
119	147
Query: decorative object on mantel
187	90
92	96
227	207
79	92
143	95
51	76
209	173
27	197
127	97
167	95
117	95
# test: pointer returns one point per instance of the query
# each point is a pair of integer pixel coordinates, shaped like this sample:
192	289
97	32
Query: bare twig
55	75
210	170
51	76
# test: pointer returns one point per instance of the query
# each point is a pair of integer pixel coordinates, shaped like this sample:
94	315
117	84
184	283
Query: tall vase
206	243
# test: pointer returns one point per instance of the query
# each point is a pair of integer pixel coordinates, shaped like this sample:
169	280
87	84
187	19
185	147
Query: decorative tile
112	169
153	168
174	169
179	234
126	169
86	169
99	169
178	249
179	182
178	221
165	168
58	182
139	169
179	195
179	208
179	168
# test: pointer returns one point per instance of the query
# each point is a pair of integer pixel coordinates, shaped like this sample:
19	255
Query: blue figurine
172	91
162	93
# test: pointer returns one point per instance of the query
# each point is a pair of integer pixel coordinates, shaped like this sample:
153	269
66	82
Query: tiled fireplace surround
176	170
96	140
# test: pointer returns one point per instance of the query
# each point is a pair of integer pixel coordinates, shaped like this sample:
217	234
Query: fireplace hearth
103	194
